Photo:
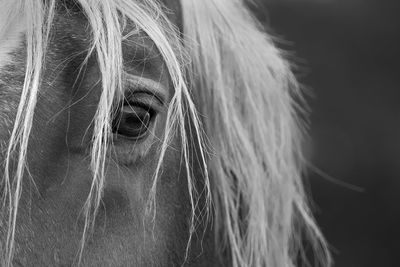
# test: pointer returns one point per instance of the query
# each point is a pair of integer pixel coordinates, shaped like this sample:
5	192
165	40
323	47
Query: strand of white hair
247	93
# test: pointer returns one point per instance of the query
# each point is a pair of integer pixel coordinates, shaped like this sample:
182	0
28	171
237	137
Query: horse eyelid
145	99
145	96
139	85
145	106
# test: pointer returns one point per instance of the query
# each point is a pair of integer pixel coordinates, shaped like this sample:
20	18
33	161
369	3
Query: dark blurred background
347	53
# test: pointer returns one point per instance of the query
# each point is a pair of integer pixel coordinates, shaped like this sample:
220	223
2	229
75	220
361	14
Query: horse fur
227	69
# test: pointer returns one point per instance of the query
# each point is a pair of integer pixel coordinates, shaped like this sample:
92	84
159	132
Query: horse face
49	225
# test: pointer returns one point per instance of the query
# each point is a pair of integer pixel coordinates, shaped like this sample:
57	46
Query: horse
149	133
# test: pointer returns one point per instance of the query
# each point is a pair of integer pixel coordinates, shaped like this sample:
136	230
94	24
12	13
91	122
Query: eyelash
133	119
141	105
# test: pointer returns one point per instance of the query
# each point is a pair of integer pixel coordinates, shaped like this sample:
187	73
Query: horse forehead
70	38
75	30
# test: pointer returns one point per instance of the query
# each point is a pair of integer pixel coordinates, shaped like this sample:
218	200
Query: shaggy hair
245	91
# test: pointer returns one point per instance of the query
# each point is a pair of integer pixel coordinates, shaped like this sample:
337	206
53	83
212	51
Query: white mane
244	89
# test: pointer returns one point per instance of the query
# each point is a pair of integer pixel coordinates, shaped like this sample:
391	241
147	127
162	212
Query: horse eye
132	121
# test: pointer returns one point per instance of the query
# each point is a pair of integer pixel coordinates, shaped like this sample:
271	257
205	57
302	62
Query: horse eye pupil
132	121
135	119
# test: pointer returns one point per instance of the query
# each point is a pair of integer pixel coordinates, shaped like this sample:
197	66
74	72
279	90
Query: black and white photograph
199	133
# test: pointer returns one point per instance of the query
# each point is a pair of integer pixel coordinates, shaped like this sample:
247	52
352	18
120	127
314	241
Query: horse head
141	133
